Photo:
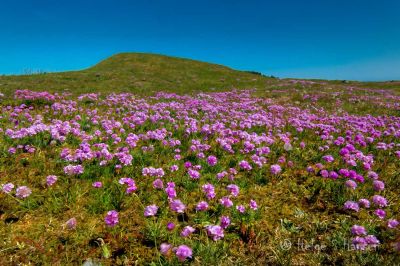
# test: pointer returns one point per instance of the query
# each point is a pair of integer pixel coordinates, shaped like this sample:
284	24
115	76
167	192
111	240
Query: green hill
140	73
146	73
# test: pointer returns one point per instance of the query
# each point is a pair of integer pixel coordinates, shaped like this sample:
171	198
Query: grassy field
153	160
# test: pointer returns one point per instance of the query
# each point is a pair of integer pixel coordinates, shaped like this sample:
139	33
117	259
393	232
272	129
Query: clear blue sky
334	39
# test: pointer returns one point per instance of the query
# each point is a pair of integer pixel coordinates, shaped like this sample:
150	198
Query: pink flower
364	203
7	188
245	165
216	232
358	230
233	189
378	185
351	184
177	206
302	145
170	226
126	181
379	201
111	218
253	205
174	168
202	206
150	210
392	223
73	169
187	230
51	180
131	189
275	169
97	184
328	158
209	190
380	213
212	160
71	223
23	192
351	205
240	208
222	175
130	183
225	221
165	248
194	174
158	183
183	252
226	202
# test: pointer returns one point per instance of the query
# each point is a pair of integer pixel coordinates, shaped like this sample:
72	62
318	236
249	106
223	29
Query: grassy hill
139	72
143	73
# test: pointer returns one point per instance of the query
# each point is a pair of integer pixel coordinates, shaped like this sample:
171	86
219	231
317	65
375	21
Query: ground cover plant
298	172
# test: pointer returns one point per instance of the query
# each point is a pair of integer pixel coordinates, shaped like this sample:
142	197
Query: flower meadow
218	178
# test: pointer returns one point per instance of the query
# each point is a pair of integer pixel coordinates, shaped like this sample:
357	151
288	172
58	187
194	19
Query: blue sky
311	39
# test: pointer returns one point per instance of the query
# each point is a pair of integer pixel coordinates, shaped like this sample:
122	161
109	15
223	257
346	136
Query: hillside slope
140	73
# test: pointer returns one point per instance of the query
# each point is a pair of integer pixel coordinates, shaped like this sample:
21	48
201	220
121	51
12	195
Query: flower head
23	192
177	206
183	252
351	184
158	183
380	213
7	188
351	205
216	232
275	169
97	184
130	183
71	223
111	218
379	201
226	202
187	230
51	180
359	243
225	221
73	169
328	158
209	190
392	223
150	210
170	226
233	189
372	241
358	230
165	248
378	185
253	205
212	160
194	174
364	203
240	208
245	165
202	206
